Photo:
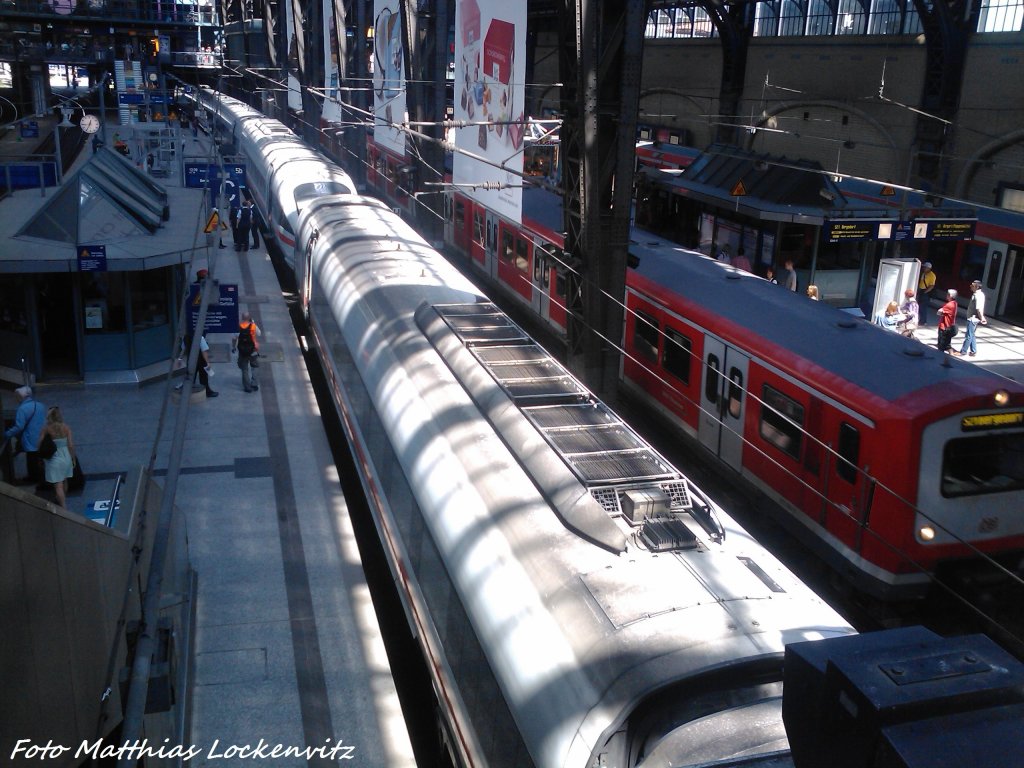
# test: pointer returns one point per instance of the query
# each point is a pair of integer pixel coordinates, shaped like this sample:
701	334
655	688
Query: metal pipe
113	500
145	647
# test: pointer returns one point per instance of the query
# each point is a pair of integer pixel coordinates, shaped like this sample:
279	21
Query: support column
600	65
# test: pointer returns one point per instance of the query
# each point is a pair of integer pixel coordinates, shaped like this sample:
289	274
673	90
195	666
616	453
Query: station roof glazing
108	199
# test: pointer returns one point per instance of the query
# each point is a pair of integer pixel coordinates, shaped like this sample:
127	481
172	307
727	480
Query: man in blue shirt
28	423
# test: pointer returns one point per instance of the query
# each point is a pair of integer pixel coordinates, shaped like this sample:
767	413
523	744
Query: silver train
579	601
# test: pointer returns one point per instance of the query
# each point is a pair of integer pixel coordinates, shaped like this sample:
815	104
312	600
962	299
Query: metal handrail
113	500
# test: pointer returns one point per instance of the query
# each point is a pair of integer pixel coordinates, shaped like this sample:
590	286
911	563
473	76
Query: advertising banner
388	76
490	93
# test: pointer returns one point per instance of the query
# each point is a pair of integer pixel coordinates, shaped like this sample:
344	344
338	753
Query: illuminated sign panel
992	421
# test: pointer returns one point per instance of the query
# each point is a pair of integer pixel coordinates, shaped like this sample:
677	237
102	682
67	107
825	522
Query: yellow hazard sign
211	223
739	190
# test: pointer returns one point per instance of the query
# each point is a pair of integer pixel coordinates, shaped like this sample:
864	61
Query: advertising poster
388	76
490	92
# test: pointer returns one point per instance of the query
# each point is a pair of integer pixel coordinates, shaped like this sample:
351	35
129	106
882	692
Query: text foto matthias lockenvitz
26	749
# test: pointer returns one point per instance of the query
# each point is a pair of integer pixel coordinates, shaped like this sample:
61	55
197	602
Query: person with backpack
247	346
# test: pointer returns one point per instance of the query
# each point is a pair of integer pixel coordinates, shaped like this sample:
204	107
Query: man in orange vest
247	346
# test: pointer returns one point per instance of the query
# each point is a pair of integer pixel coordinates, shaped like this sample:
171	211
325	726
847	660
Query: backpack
246	343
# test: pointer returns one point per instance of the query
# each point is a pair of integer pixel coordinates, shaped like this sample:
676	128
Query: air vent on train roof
667	535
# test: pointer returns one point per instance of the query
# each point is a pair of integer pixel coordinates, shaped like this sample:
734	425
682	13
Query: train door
492	246
541	278
449	218
845	503
460	221
723	401
1010	293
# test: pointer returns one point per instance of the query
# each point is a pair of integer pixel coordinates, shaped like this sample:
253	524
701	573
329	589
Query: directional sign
221	316
92	258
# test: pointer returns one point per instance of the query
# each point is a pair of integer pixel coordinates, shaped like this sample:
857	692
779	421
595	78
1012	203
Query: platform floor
288	649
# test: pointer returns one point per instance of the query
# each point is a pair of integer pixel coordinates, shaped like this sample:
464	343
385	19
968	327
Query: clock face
90	124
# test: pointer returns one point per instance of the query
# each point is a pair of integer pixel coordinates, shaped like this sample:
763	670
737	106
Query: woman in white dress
61	465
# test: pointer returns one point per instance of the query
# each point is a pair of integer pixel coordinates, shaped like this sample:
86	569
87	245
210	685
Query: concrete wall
64	581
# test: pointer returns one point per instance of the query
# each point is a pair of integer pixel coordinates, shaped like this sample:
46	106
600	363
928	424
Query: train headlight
1001	397
926	533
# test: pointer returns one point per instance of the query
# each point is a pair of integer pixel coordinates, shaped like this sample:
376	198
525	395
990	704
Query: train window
507	253
676	357
538	264
711	381
314	189
849	452
645	335
478	227
782	421
973	466
522	255
460	215
735	392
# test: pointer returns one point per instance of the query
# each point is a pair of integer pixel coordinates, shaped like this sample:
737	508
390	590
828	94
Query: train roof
793	332
580	616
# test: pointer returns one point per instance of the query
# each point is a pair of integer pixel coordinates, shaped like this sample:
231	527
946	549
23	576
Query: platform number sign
200	175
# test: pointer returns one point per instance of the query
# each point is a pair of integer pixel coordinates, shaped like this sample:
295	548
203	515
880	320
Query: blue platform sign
30	129
92	258
141	97
200	175
222	316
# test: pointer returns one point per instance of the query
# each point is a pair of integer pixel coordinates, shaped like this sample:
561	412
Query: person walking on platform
29	420
247	345
925	287
910	311
242	222
254	223
203	370
975	315
788	275
61	465
947	322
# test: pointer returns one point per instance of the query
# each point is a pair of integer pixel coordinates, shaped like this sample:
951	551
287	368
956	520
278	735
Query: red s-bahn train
893	460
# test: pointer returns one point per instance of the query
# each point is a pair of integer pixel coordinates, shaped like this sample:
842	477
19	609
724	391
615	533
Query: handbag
76	482
953	331
46	447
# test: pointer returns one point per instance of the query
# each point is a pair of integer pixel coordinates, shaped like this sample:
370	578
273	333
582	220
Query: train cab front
969	515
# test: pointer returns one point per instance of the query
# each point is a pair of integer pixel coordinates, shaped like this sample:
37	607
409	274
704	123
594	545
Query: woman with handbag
947	322
60	464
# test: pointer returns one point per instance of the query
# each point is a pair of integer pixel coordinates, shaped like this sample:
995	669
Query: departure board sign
944	229
992	421
841	230
853	229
